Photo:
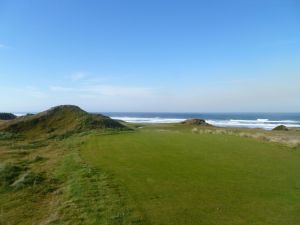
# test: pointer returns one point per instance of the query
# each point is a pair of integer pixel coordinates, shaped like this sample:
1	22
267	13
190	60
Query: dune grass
61	121
27	184
175	176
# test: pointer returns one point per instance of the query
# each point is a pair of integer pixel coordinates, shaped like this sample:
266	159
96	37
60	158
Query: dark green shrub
281	128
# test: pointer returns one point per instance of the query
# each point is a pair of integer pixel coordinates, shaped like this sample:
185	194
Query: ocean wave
257	123
268	125
148	120
264	121
19	114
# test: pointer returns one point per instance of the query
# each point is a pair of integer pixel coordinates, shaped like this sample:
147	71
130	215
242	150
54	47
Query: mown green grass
177	177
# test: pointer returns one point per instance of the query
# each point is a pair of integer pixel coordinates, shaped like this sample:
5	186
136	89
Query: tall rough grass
269	136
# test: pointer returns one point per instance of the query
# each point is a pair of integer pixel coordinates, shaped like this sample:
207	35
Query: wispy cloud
61	89
93	87
78	76
4	46
123	91
28	91
93	91
35	92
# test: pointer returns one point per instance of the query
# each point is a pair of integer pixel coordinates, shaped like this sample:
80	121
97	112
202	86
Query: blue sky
150	55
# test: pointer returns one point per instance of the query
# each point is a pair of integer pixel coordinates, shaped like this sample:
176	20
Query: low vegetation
196	122
281	127
290	139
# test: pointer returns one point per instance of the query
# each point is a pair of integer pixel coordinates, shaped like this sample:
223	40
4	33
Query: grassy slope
71	192
177	177
57	121
44	181
35	202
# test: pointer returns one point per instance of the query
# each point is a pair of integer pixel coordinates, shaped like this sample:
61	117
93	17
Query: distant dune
7	116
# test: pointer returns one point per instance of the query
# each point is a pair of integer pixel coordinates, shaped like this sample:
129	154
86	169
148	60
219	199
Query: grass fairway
185	178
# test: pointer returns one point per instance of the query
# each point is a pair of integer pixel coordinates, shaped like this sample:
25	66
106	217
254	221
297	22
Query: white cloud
2	46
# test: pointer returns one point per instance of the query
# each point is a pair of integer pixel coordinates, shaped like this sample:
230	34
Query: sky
150	55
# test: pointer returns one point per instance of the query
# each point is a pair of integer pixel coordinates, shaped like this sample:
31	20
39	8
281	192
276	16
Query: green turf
177	177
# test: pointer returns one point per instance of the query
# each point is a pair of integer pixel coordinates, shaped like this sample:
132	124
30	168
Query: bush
7	116
281	128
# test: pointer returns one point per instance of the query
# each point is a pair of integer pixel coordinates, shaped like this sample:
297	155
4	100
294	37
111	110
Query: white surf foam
19	114
264	121
257	123
148	120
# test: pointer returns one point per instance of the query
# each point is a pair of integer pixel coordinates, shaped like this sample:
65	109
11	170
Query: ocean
243	120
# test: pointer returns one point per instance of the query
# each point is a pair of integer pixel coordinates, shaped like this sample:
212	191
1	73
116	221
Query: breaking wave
257	123
148	120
